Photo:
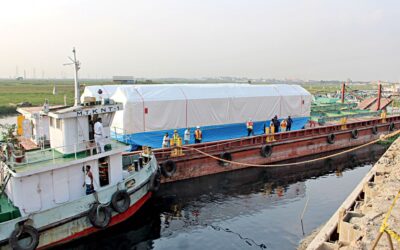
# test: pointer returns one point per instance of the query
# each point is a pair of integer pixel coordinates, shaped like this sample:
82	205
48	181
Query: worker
289	123
165	142
88	180
198	135
283	125
186	136
272	126
276	124
175	137
249	125
99	136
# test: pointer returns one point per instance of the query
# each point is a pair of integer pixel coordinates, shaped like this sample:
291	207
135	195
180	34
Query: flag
54	90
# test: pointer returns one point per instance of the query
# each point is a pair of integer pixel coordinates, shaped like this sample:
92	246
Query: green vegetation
36	91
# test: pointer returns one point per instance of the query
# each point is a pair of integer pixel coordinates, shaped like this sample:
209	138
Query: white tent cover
169	106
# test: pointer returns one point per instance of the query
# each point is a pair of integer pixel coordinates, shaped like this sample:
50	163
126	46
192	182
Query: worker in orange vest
249	125
283	125
198	136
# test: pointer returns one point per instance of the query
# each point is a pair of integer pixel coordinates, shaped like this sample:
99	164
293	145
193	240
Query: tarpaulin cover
215	107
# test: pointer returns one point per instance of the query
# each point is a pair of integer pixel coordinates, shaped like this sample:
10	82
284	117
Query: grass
36	92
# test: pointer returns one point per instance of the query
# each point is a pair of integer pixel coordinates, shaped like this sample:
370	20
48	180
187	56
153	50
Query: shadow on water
218	211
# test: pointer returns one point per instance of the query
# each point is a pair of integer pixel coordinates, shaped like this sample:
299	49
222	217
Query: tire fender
331	138
266	150
354	134
168	168
391	126
155	181
24	230
225	156
375	130
120	201
99	215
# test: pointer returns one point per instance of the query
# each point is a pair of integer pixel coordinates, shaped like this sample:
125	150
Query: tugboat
75	187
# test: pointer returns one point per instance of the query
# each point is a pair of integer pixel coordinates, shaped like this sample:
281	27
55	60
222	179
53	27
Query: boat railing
80	150
119	134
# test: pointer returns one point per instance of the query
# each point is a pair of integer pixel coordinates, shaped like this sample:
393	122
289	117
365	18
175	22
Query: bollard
140	163
136	164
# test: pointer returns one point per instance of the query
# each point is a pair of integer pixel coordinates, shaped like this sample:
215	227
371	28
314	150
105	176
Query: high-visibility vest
249	125
197	134
283	124
175	137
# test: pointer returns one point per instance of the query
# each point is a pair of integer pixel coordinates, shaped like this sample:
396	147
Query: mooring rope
382	138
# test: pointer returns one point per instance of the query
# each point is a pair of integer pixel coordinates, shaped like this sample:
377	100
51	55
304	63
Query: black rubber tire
120	201
331	138
266	150
168	168
354	134
375	130
102	219
155	182
25	231
225	156
391	127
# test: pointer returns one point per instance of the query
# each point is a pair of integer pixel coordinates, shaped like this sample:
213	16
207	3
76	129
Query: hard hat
197	126
175	131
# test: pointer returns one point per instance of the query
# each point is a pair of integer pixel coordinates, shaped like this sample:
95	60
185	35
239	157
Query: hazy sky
304	39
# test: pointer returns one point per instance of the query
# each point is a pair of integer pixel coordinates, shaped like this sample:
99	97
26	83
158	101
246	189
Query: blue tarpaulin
210	133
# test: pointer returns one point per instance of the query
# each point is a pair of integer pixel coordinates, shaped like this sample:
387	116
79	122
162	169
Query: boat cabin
45	178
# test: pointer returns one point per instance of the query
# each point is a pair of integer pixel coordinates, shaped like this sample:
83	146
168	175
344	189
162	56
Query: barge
195	161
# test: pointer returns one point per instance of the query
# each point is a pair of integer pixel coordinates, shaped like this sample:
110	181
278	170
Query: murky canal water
247	209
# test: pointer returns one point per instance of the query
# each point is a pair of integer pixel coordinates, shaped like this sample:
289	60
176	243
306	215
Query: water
246	209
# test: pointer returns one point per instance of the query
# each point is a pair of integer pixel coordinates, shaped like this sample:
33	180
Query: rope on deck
382	138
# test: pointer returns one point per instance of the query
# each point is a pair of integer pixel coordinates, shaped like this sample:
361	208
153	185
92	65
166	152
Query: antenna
76	68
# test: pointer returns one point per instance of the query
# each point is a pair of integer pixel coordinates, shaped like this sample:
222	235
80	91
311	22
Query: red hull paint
114	220
288	145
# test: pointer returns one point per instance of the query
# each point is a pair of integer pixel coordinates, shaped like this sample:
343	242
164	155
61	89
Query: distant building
123	79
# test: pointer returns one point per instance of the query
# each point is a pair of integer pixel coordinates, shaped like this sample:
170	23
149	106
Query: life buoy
155	181
391	126
375	130
168	168
331	138
225	156
120	201
266	150
354	134
99	215
24	232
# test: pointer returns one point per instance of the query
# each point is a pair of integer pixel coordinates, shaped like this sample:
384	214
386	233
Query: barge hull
286	146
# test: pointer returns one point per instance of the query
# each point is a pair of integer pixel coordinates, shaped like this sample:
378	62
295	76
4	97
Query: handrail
50	153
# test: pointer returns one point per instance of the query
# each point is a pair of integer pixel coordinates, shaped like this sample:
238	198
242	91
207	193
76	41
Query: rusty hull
287	146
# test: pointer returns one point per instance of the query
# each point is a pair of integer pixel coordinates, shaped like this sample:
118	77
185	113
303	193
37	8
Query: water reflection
246	209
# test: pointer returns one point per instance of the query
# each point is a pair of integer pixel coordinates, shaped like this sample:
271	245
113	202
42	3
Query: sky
282	39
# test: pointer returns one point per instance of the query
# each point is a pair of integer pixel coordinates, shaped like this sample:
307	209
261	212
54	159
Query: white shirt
98	129
88	181
186	136
165	140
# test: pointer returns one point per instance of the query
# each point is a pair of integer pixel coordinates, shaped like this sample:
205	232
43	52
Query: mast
76	63
77	90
